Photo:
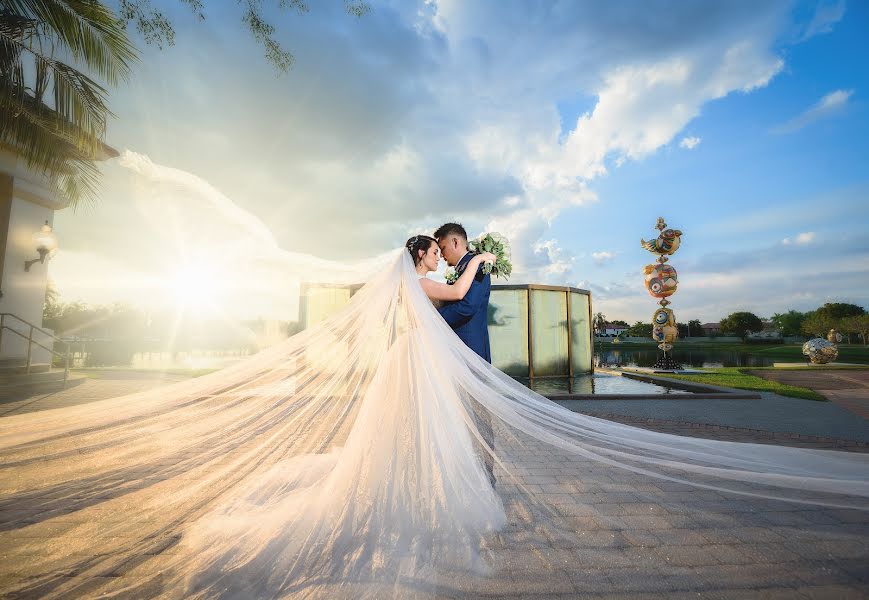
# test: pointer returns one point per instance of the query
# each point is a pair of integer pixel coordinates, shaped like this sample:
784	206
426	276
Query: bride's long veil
347	461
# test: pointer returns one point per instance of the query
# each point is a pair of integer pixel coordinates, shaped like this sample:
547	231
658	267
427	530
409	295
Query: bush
100	353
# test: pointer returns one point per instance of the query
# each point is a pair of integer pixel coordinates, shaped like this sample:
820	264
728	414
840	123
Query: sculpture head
664	326
669	240
661	280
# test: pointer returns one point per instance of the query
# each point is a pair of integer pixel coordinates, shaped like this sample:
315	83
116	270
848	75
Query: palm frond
51	113
88	30
77	97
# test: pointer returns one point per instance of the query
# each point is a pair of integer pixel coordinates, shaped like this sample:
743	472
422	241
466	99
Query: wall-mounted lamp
46	244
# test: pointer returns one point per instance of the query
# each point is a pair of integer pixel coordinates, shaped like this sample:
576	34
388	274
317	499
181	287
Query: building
27	204
711	328
612	330
769	332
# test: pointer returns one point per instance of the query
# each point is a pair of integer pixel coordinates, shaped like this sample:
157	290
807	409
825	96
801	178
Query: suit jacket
469	316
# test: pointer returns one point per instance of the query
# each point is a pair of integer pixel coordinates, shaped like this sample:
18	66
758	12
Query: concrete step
18	380
21	391
21	369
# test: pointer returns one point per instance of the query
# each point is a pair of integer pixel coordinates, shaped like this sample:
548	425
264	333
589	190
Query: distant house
711	328
768	332
612	330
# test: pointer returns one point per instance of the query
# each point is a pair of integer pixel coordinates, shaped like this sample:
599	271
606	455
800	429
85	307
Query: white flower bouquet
498	245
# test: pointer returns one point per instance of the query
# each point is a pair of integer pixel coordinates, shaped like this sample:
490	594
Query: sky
568	126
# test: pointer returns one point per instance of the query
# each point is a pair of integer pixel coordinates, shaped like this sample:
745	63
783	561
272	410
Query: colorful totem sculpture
661	282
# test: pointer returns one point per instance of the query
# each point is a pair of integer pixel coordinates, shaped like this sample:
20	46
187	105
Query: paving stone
620	535
832	592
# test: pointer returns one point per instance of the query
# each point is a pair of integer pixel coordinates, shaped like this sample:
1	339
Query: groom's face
452	248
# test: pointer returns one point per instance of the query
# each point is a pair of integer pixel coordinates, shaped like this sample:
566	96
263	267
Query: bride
426	256
344	462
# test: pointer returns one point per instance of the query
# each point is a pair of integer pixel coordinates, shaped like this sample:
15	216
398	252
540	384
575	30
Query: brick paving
83	390
737	434
617	534
848	388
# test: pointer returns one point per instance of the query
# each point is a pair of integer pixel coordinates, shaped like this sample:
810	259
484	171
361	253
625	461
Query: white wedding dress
346	462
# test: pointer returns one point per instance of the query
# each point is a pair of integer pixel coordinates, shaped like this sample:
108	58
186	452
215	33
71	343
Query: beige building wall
26	203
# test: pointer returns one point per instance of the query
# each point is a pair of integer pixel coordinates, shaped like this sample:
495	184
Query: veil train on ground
347	461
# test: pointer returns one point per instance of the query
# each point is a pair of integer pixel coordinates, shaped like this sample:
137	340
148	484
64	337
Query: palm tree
599	323
51	112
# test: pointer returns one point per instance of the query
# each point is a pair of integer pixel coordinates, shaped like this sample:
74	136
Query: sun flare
192	287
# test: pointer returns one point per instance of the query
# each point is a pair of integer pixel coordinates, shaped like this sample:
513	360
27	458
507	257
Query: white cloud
826	15
440	126
603	257
762	280
829	105
641	106
557	262
801	239
689	143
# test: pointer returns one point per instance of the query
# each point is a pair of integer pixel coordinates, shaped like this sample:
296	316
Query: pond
594	384
646	357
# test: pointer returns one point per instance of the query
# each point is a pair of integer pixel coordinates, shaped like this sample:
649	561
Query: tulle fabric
348	461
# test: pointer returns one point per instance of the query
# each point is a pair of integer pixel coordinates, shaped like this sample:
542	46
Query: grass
855	353
736	377
97	372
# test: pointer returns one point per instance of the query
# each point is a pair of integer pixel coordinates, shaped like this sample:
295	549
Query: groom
468	318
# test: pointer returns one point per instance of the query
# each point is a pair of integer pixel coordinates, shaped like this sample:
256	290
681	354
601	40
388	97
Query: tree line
113	334
850	320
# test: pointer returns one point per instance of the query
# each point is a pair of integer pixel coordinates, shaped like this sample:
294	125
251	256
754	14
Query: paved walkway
772	413
83	389
846	388
630	536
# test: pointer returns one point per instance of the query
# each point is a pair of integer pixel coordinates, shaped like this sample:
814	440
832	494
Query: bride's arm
457	291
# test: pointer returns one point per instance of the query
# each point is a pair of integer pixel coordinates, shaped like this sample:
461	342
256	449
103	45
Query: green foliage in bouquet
498	245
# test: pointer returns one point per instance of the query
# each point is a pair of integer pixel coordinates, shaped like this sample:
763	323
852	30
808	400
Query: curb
761	433
693	396
715	391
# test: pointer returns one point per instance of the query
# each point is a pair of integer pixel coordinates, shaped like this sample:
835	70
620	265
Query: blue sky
569	127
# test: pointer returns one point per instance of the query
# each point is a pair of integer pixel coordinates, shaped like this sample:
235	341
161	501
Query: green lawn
855	353
735	377
105	372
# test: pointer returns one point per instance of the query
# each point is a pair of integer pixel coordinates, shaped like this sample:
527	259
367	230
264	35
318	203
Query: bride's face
431	258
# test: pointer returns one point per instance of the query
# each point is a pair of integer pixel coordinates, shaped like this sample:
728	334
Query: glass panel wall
509	324
549	333
508	330
580	333
317	303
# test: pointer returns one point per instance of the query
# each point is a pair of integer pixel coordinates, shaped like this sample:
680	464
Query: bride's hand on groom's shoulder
488	257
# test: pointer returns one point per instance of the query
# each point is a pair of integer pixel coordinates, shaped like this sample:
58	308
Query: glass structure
540	330
536	331
319	300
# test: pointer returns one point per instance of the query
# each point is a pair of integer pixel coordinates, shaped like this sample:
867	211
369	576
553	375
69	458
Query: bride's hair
417	243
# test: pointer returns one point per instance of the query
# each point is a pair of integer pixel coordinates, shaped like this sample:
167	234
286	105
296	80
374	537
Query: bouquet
498	245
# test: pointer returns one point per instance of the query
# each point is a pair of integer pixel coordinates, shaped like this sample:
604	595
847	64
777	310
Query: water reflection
646	357
594	384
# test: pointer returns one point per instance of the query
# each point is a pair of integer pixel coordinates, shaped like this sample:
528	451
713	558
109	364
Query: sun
192	287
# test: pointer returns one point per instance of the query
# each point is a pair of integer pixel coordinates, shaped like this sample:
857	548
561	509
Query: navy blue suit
469	316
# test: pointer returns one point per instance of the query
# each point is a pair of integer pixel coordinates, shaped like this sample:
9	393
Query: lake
597	383
646	357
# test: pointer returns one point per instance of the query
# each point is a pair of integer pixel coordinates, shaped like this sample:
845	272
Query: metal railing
31	342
